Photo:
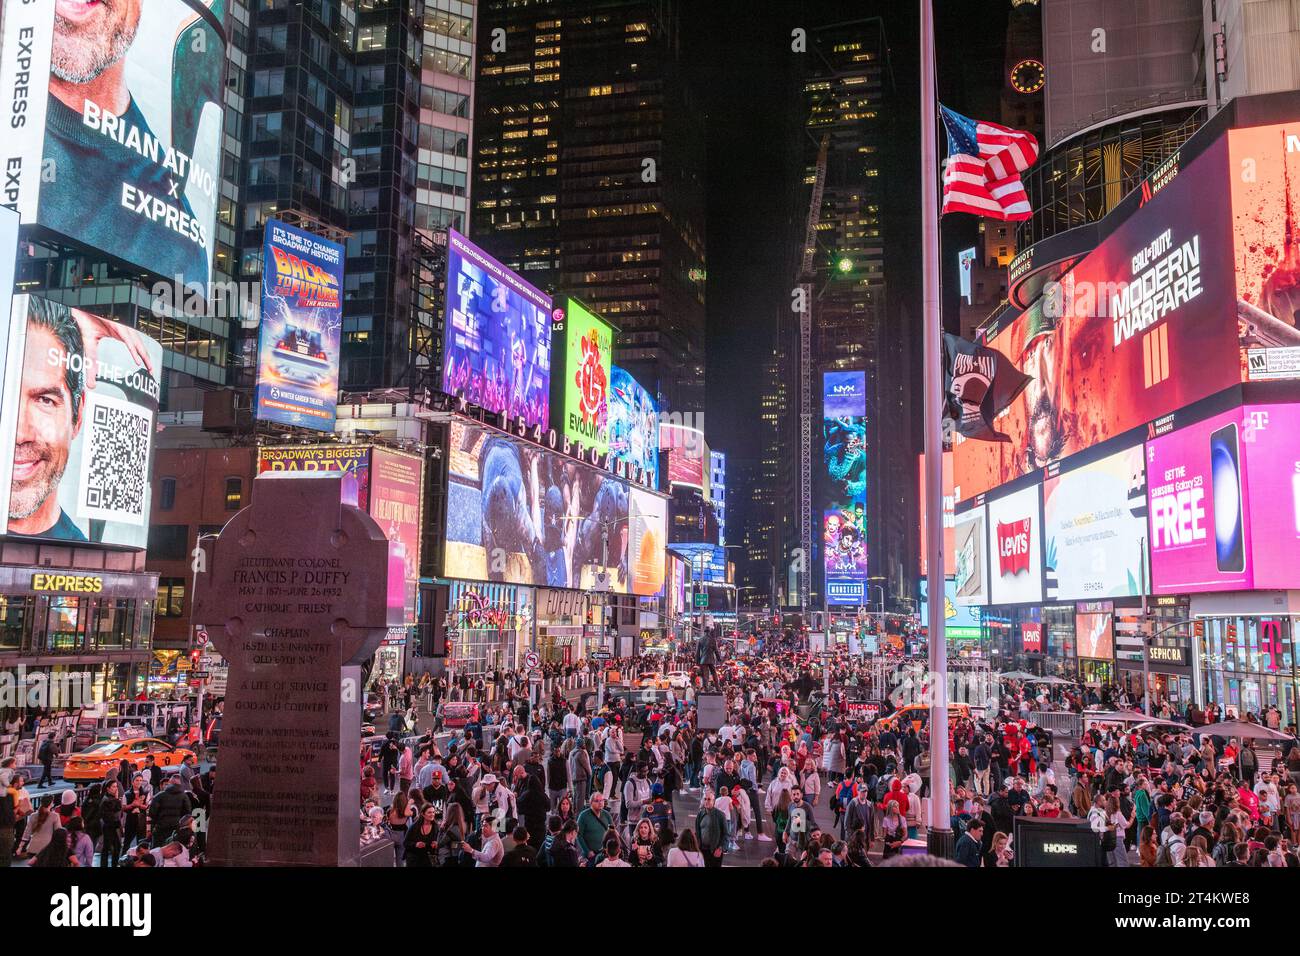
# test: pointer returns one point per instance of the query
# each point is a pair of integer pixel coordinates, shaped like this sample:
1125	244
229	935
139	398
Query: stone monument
294	597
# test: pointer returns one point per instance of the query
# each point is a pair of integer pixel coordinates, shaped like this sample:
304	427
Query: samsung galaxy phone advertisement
302	322
1199	532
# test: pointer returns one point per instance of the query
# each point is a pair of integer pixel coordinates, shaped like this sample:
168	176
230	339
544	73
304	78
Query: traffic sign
198	675
702	599
201	637
534	677
601	655
532	660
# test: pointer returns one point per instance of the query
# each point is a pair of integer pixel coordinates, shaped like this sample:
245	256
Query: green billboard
589	346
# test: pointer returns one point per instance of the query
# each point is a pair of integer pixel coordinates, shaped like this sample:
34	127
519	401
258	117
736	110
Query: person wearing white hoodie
784	780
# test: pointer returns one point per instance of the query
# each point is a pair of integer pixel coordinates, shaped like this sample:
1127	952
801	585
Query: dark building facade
588	173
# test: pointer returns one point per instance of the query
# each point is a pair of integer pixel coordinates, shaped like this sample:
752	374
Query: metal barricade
1062	723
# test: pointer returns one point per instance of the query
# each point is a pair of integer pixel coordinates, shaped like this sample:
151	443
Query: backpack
1165	855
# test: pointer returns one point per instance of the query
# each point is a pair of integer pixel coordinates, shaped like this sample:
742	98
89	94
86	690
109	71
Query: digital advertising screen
1265	230
352	462
1270	438
647	516
113	132
1016	548
1142	326
388	485
1094	630
497	344
589	350
633	424
1197	492
961	623
396	491
301	330
682	449
520	514
949	502
970	555
844	460
1094	523
79	407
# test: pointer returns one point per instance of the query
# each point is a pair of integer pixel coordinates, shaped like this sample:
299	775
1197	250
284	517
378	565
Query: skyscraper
588	173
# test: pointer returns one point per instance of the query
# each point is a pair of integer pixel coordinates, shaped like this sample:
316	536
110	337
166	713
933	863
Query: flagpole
939	835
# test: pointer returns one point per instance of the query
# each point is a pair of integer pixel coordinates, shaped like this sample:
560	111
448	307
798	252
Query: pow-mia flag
979	383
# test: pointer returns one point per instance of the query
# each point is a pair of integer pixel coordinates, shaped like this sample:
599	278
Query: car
917	714
679	680
93	763
650	679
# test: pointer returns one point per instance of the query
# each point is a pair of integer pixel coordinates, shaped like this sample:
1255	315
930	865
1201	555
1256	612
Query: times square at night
536	433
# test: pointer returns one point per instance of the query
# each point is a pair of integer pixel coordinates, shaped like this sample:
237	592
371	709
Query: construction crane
806	277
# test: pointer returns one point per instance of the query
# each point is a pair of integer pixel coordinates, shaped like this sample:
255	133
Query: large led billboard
647	517
589	349
1094	523
949	501
961	623
1224	502
113	126
79	406
844	460
497	343
683	451
1142	326
388	485
1015	548
1094	630
633	424
1266	226
302	328
970	555
1271	438
396	491
520	514
1200	535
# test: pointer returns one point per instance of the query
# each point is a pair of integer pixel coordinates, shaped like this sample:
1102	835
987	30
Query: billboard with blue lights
844	459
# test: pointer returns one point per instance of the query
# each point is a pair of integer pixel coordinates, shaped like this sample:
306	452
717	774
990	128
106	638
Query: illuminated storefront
566	624
1247	664
93	627
490	626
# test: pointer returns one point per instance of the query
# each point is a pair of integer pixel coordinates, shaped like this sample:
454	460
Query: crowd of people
791	776
558	785
143	818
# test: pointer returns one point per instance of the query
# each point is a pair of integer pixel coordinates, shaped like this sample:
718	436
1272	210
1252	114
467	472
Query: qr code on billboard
115	460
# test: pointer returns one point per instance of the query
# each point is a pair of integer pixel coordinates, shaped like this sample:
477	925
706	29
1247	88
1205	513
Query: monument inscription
295	599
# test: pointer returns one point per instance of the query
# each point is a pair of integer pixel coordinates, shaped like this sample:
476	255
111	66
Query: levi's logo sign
1013	547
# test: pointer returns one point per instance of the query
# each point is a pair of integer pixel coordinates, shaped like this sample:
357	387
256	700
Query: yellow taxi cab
651	679
918	714
93	763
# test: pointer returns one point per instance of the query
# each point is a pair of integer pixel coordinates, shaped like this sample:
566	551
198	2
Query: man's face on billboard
1044	439
90	36
47	424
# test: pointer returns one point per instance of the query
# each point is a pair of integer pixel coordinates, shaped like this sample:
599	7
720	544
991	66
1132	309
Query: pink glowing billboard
1268	435
1196	489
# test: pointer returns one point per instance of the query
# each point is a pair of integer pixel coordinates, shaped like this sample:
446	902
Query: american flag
985	160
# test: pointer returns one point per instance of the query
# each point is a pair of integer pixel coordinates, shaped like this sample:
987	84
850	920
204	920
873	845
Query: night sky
749	82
